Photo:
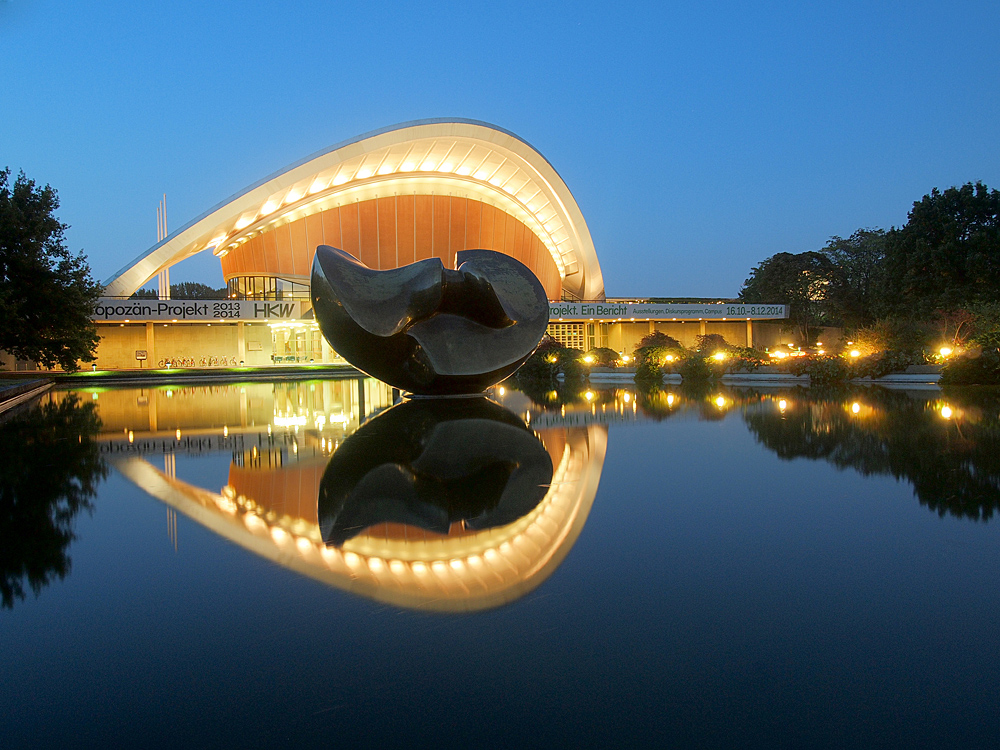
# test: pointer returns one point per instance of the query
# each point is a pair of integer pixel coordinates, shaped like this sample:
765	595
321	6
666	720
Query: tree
47	295
802	281
947	256
51	468
859	293
194	290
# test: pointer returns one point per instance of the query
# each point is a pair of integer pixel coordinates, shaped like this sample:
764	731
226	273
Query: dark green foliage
953	464
546	365
985	325
604	357
745	359
659	339
656	356
194	290
647	371
696	369
947	256
803	281
898	334
882	363
46	293
710	343
50	468
822	370
859	288
185	290
983	369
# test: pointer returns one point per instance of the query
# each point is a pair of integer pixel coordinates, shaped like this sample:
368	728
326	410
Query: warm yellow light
315	187
720	401
782	405
855	407
855	353
779	355
131	436
481	174
177	434
446	167
821	352
588	359
589	395
719	356
427	166
946	412
551	359
627	397
243	221
502	390
384	169
670	358
225	431
292	197
626	358
945	351
364	173
407	166
268	207
464	171
670	399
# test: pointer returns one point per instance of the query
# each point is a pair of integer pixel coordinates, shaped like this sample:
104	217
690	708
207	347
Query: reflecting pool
265	563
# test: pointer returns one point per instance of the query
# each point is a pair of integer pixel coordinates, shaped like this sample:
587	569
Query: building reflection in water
467	554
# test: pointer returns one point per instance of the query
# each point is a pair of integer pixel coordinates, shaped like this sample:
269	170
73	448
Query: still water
262	564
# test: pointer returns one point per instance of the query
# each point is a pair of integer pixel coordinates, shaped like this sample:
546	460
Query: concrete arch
468	160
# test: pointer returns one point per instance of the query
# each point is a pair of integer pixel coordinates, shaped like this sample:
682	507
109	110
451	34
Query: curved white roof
465	157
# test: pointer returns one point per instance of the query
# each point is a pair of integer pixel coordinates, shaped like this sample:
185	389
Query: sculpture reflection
443	550
432	464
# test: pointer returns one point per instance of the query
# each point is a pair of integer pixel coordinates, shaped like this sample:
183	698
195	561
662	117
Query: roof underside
460	157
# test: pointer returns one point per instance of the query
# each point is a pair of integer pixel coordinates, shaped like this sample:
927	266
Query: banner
120	310
623	311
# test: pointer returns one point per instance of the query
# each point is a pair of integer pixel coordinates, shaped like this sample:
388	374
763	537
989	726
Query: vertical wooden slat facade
394	231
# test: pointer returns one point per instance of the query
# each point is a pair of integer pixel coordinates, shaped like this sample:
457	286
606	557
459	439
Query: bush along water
976	368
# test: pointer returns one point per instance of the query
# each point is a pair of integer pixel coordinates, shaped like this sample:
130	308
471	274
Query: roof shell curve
480	159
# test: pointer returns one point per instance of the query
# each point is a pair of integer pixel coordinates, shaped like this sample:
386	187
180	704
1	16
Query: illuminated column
701	326
150	345
241	343
327	349
749	333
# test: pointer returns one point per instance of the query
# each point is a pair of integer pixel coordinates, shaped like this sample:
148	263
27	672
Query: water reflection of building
271	511
281	436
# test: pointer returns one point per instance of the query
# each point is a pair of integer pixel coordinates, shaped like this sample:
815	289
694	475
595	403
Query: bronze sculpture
427	329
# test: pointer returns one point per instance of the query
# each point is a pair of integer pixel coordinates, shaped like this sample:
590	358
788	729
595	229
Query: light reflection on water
717	587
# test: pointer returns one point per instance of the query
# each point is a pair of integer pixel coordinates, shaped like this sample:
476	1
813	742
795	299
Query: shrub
822	370
745	359
882	363
695	369
648	371
657	356
973	370
546	364
710	343
659	338
891	334
604	357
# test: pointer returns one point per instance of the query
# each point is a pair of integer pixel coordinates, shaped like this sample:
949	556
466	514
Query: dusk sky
697	138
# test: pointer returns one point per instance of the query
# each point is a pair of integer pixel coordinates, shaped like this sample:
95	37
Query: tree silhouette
50	468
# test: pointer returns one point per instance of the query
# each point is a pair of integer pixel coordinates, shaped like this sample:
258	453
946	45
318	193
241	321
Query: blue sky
697	138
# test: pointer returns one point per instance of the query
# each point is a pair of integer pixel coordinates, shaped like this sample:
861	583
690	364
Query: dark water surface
713	569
